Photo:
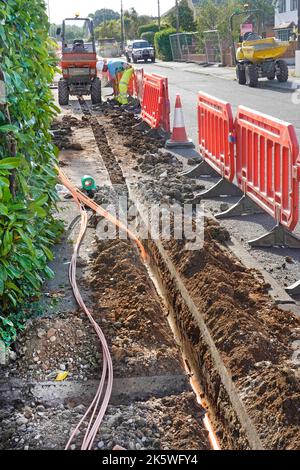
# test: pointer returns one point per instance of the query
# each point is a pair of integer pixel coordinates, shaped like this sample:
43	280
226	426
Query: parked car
140	50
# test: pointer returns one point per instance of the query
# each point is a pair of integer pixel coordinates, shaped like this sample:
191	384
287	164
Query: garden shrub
27	158
162	44
145	28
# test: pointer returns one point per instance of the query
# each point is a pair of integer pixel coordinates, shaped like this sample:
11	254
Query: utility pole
177	16
158	6
122	27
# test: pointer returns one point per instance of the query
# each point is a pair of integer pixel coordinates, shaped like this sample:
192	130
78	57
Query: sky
60	9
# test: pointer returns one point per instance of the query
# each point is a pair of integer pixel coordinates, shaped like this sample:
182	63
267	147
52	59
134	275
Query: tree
132	23
267	7
213	15
103	16
111	29
111	26
186	17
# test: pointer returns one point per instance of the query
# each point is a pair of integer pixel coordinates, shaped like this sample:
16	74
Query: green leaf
9	163
8	128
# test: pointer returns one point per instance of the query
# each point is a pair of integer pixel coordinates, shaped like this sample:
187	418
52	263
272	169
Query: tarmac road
188	79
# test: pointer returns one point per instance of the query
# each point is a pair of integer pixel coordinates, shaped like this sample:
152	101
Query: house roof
287	25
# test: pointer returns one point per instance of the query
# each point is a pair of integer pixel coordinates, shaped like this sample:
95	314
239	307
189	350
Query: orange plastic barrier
155	104
166	108
152	100
268	164
216	134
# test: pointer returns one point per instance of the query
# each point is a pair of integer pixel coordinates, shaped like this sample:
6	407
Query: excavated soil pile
135	322
254	336
135	140
62	131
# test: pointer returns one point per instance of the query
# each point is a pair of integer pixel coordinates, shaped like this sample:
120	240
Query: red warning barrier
166	108
268	164
155	104
216	134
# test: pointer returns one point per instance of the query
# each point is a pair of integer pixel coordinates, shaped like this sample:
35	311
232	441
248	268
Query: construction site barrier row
260	151
268	164
155	102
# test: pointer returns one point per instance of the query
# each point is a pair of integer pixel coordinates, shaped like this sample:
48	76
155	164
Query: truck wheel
240	75
96	91
134	60
251	75
63	93
153	60
282	71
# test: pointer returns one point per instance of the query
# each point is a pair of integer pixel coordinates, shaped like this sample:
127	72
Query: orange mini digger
78	61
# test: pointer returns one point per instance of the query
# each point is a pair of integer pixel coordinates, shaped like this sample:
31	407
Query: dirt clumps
135	321
139	142
252	334
215	231
62	131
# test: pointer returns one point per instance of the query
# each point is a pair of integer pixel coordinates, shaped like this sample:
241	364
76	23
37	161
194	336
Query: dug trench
152	406
234	343
238	345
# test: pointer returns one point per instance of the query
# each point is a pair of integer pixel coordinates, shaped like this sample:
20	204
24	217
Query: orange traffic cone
179	136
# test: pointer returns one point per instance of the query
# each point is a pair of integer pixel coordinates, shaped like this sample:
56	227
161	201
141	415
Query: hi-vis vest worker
123	86
116	68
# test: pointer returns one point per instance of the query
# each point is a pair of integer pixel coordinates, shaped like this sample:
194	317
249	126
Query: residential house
286	18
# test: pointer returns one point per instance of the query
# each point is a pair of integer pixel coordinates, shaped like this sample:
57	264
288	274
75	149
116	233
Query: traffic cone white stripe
179	137
178	118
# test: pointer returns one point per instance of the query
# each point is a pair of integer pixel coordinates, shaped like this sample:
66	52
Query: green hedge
148	36
27	158
162	44
145	28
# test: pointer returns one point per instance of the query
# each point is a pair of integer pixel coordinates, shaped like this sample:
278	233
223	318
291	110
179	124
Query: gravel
162	423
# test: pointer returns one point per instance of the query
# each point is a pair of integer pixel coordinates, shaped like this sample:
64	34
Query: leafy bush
27	158
145	28
148	36
162	44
